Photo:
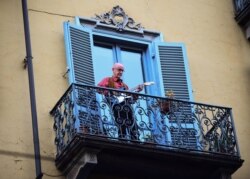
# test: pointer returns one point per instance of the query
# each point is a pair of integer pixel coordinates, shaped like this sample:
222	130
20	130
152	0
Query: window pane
133	75
103	60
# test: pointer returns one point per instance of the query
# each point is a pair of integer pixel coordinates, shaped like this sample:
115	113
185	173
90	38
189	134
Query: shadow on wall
25	155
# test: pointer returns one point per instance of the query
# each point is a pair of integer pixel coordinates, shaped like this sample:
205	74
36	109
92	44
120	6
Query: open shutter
175	76
78	42
174	69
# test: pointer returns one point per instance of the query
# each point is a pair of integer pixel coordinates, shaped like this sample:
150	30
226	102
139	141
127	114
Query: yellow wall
218	53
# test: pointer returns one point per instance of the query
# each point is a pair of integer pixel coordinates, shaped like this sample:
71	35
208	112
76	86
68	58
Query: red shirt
118	83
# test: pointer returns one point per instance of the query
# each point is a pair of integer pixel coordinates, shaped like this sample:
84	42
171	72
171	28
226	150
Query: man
122	110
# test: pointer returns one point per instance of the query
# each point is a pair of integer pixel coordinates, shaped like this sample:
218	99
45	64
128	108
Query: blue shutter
78	43
174	69
172	62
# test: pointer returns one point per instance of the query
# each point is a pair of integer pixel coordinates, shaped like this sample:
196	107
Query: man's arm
104	82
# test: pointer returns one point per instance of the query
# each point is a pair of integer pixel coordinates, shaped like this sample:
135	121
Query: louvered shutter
174	69
175	77
78	42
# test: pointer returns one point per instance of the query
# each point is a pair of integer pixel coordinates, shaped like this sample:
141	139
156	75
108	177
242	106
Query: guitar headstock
149	83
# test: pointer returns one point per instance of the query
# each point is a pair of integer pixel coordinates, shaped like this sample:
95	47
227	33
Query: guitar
122	97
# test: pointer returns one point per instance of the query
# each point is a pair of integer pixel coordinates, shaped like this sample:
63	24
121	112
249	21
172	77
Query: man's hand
139	88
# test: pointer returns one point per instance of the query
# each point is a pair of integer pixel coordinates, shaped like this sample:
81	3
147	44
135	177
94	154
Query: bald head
118	66
118	70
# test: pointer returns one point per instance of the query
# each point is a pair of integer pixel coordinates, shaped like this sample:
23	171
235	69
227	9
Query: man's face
117	72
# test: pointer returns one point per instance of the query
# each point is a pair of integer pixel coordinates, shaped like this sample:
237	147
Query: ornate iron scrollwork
85	110
119	19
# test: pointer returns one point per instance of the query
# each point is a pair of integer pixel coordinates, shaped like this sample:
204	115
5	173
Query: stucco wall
218	54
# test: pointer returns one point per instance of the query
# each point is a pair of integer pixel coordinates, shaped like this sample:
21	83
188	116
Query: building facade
216	64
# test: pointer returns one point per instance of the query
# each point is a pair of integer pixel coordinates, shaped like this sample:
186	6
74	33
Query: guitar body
122	98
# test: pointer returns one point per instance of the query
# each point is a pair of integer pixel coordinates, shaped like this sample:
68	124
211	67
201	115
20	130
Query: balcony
242	15
143	136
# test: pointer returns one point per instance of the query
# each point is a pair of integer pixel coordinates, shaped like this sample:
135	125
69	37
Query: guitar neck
134	88
143	84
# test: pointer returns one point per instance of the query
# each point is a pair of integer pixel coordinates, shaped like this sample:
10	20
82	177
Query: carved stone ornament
118	18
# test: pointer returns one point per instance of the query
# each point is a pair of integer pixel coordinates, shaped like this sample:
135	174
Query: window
105	55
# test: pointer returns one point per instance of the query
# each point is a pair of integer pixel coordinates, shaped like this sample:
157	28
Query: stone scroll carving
119	19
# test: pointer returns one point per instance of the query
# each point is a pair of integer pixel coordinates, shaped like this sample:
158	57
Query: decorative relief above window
119	19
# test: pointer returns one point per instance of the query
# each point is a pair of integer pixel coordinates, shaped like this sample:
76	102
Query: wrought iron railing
143	119
240	5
